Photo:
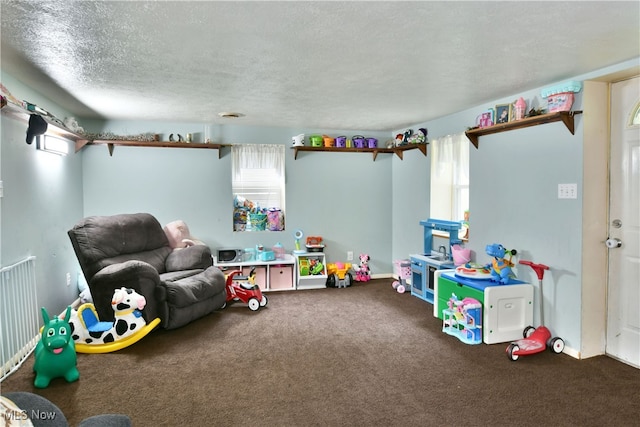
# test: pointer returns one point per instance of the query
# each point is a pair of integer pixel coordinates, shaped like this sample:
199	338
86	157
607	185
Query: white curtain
257	156
449	176
258	180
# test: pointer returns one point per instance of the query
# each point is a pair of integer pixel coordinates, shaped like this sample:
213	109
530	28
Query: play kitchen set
423	266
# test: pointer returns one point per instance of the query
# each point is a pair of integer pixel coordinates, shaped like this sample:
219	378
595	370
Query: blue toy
55	353
501	267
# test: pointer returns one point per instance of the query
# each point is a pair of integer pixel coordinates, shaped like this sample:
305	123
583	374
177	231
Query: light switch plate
567	191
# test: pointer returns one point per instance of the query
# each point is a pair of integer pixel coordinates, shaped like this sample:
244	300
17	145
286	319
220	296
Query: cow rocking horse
93	336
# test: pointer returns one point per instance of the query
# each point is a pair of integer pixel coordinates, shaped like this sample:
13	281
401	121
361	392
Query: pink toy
535	340
403	270
363	274
179	235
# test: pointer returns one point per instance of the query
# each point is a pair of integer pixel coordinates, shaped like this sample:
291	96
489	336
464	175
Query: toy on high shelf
363	274
500	266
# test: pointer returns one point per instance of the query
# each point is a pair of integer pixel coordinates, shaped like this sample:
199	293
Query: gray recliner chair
132	251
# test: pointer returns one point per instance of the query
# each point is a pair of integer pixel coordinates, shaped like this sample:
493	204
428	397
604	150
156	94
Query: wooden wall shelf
565	117
399	151
112	143
53	127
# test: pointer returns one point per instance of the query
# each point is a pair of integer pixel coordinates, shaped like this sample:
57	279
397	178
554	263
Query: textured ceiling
332	65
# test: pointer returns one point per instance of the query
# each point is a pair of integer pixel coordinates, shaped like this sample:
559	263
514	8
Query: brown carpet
364	355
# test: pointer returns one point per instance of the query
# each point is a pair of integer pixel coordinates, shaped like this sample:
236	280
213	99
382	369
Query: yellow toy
339	275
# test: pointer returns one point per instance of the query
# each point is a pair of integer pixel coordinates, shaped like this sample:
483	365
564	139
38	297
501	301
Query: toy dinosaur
55	354
500	266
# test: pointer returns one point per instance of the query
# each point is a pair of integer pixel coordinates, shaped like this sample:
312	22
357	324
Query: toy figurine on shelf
363	274
500	266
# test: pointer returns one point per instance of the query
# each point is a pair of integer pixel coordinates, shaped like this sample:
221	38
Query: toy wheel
400	289
556	345
223	306
348	279
528	331
263	301
395	284
254	304
331	281
512	350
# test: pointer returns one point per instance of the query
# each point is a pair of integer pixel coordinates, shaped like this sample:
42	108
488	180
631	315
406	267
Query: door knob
613	243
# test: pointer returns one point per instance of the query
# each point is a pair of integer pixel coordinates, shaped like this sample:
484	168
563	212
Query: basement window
258	187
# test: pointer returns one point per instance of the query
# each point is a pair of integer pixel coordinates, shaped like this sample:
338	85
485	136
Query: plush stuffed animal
55	354
363	273
179	235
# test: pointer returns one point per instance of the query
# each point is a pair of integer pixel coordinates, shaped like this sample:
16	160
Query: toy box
506	309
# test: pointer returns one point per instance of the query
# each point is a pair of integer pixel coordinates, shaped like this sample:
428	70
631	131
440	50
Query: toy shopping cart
402	269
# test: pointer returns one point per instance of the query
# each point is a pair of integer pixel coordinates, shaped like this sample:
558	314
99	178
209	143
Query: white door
623	304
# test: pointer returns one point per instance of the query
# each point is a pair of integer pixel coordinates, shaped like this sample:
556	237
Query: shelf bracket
568	121
80	144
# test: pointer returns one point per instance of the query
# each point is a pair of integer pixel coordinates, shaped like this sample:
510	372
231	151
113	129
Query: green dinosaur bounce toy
55	352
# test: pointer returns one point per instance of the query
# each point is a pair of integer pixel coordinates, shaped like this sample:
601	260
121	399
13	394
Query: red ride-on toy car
535	340
245	289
